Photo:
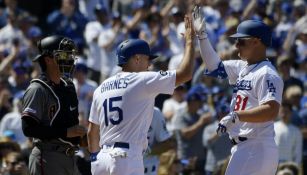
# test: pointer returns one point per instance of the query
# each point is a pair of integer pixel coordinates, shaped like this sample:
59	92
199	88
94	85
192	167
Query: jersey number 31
240	103
108	107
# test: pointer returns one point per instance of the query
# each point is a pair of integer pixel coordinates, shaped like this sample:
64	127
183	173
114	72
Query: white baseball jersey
123	105
157	133
256	84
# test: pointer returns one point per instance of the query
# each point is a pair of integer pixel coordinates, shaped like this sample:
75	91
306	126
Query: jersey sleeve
161	133
233	68
93	116
162	82
270	87
34	103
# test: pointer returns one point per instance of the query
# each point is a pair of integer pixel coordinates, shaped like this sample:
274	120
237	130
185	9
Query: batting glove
227	123
199	23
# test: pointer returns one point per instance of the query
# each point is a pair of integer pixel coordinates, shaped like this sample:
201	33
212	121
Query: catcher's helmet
254	28
60	48
131	47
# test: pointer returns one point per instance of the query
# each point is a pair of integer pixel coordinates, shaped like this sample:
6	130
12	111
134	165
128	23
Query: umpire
50	110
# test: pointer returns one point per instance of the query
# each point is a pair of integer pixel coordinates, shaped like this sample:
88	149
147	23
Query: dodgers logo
243	85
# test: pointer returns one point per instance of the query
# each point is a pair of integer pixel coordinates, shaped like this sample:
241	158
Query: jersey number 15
108	107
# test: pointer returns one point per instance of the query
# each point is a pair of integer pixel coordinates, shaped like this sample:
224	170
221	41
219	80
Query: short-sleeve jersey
123	105
52	105
157	131
255	84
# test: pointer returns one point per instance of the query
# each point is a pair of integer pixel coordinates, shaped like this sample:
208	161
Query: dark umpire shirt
49	109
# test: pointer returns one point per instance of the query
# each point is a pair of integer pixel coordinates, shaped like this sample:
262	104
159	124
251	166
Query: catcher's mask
60	48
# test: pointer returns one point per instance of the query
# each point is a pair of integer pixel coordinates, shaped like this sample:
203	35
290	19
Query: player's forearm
93	138
263	113
208	55
185	71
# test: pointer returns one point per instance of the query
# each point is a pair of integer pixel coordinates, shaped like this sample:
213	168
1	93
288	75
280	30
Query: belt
119	145
67	150
241	139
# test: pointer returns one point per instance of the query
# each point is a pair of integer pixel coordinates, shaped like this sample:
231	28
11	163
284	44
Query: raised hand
189	30
199	23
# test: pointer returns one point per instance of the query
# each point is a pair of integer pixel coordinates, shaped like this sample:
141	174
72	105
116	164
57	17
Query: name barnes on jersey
120	83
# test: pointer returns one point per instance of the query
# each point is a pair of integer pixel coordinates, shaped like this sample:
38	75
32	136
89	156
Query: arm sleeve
31	128
209	55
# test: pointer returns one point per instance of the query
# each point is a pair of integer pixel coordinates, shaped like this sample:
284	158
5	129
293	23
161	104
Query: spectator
109	38
85	89
171	105
11	6
189	126
15	164
12	122
11	34
284	65
218	147
288	137
93	29
67	21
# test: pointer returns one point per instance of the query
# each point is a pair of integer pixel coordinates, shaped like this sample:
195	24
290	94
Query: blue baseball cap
197	92
254	28
131	47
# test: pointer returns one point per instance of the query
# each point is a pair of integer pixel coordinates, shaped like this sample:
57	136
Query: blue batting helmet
254	28
131	47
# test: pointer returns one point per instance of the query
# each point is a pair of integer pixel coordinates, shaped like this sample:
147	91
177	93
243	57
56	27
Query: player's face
245	47
53	65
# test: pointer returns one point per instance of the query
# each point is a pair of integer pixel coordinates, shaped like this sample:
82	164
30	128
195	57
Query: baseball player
123	106
159	141
50	110
256	99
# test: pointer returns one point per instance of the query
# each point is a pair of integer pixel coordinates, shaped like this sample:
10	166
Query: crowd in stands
193	111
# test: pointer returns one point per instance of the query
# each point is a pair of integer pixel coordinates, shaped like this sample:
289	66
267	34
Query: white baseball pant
253	157
118	161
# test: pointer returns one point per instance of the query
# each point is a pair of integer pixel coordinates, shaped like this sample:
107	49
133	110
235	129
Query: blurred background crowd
193	111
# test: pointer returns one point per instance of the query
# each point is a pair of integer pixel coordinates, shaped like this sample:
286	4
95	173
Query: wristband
93	156
203	35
